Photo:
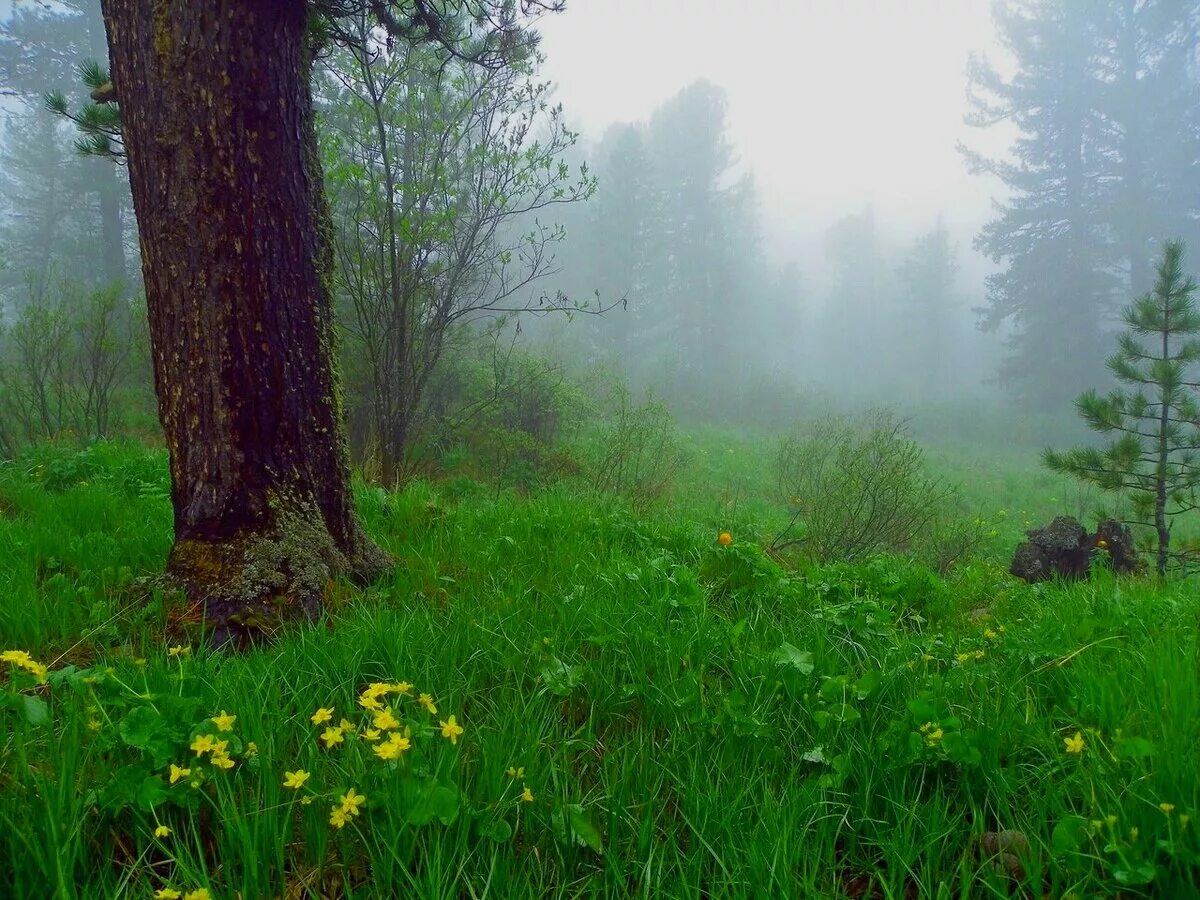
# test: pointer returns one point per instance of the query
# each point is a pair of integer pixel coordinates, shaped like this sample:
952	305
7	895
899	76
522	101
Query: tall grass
691	720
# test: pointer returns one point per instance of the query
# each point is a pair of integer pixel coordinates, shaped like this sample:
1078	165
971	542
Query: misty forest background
652	222
702	539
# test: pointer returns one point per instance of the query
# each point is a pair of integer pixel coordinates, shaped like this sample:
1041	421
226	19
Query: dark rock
1116	540
1005	849
1064	549
1061	549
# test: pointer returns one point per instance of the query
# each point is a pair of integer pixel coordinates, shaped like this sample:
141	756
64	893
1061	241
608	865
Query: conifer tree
1154	421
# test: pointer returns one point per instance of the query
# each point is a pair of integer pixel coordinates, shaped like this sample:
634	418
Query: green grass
692	720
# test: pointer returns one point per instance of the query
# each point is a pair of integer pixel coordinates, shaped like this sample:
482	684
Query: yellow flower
991	634
1184	818
1168	808
526	795
1133	834
451	729
347	725
224	721
139	661
93	725
295	780
400	687
925	657
178	772
724	538
324	714
370	702
337	818
371	734
198	894
351	801
934	736
306	800
16	657
221	761
426	700
513	772
332	736
167	894
202	744
1074	744
385	720
162	831
962	657
393	747
1110	821
252	749
179	650
978	654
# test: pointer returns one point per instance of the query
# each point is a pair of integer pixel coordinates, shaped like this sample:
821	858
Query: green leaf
36	712
431	799
1135	748
585	833
1069	835
497	830
1142	873
800	660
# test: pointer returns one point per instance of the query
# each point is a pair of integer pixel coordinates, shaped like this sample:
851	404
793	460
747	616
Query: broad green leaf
800	660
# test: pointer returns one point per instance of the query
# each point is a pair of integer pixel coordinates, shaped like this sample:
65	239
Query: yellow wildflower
198	894
370	702
385	720
295	780
202	744
925	657
1110	821
1074	744
513	772
337	818
934	736
347	725
252	749
371	734
1184	818
93	724
991	634
526	795
724	538
403	688
332	736
224	721
962	657
179	650
351	801
162	831
178	772
167	894
451	729
1133	834
140	661
1168	808
306	800
221	761
426	700
324	714
393	747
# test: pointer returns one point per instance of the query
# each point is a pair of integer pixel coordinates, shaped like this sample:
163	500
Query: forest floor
617	705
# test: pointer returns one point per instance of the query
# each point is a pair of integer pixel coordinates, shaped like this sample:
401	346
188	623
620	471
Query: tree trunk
218	127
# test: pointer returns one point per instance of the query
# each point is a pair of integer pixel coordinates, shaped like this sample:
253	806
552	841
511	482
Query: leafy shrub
636	455
855	487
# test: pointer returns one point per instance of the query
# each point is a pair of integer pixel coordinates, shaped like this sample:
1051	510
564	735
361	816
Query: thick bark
218	127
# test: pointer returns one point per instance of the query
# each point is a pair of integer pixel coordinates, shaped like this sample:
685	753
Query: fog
795	205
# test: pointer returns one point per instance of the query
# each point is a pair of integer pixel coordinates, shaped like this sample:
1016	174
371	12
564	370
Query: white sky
834	104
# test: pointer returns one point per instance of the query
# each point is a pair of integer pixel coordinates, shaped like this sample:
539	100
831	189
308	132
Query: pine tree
1152	457
927	280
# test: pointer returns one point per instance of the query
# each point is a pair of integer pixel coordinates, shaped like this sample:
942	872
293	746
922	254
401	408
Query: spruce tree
1154	421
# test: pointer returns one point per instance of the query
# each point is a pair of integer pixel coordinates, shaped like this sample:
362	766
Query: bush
637	454
855	487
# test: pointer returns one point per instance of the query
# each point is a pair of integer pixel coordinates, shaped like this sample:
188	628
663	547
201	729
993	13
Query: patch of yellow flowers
23	660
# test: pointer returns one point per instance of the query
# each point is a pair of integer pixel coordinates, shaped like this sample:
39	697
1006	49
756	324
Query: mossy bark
218	127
